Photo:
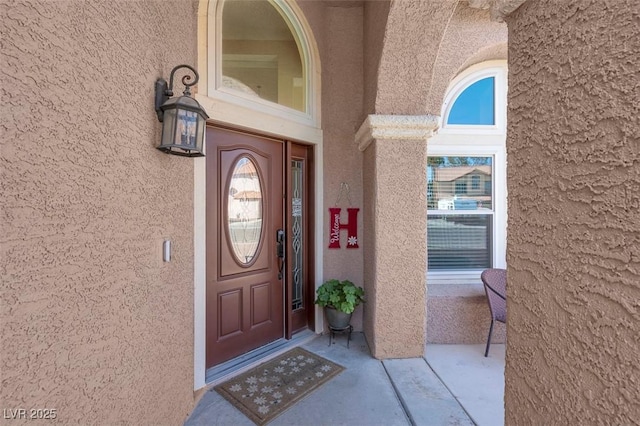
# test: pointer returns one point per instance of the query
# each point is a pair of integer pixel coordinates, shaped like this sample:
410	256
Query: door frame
199	240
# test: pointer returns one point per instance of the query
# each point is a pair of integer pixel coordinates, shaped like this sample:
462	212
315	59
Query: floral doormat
269	389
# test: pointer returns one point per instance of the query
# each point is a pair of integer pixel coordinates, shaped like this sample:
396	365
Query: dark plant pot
337	319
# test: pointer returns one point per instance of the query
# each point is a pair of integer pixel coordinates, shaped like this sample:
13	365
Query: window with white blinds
460	214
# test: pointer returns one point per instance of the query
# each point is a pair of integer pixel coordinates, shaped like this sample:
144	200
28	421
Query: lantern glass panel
200	134
185	136
168	127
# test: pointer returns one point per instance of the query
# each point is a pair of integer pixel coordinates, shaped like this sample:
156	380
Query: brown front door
245	197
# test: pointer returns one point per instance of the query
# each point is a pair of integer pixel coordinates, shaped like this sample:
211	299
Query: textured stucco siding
412	39
338	32
342	90
399	255
375	20
469	35
426	44
93	323
459	314
574	213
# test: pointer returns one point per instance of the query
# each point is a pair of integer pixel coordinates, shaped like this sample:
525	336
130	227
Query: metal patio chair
495	287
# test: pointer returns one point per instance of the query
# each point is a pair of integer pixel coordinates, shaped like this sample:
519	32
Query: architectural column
573	145
395	191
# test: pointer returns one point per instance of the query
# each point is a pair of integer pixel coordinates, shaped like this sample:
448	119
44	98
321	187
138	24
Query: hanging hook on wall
344	192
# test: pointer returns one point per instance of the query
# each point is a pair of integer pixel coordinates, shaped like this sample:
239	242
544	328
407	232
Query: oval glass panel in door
244	210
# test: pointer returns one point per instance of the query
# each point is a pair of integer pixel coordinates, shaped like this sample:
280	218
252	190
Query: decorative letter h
335	226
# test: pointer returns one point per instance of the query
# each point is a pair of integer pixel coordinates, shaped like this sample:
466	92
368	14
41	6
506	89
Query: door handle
280	252
280	243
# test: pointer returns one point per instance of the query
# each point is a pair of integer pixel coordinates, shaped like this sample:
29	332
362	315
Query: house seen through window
459	225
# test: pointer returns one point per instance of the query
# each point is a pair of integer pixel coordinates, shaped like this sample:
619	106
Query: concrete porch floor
454	385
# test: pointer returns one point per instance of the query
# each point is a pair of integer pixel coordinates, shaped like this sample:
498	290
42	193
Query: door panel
244	193
260	304
230	313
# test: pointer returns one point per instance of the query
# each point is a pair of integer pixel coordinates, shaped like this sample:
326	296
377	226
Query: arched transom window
475	105
262	59
260	55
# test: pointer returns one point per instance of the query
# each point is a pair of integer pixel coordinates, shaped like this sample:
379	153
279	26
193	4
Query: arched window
476	101
466	175
475	105
261	59
260	55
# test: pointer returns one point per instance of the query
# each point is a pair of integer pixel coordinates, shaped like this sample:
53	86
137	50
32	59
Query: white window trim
453	140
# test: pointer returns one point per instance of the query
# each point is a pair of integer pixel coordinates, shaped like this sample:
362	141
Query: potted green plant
339	299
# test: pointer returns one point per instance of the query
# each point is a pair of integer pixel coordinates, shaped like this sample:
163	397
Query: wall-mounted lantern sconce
183	119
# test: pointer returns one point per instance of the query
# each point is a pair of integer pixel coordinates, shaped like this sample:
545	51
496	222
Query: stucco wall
375	21
338	30
459	314
425	45
412	39
397	262
574	213
93	323
469	32
342	91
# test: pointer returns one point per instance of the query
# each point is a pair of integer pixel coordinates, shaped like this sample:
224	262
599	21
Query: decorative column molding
395	127
499	8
